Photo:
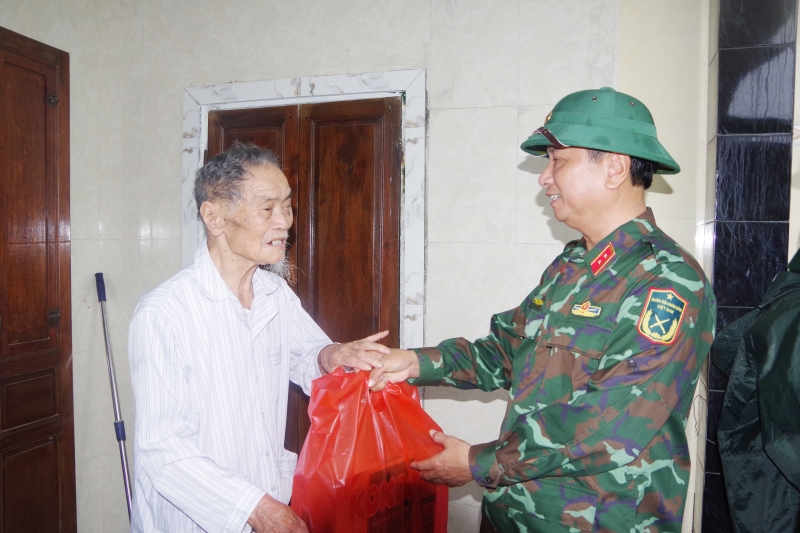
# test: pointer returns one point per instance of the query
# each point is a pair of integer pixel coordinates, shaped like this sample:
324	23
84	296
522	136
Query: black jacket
759	428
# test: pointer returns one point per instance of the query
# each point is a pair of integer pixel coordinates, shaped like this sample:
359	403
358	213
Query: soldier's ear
213	214
618	170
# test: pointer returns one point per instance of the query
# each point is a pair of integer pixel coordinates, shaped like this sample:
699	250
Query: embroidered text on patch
661	316
586	309
603	259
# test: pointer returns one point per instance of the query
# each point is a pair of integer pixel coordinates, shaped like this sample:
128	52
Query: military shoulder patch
603	259
661	316
586	309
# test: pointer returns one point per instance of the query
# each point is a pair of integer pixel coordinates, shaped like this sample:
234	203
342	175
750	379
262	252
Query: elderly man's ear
213	217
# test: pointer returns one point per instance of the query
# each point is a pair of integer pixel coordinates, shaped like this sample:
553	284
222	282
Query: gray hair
221	177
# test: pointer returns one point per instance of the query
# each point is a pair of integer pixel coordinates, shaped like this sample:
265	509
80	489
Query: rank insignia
661	316
586	309
603	259
537	303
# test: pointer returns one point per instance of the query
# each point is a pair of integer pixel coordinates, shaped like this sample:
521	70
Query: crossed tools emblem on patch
661	316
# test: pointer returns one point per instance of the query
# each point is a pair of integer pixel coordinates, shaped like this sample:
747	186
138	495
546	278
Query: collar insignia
537	303
661	316
603	259
586	309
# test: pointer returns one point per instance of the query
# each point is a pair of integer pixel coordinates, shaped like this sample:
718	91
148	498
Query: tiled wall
495	69
661	42
753	185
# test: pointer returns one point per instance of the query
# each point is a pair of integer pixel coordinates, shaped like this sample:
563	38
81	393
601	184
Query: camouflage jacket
601	362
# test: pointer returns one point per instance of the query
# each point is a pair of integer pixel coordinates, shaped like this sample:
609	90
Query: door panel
343	162
29	189
28	398
31	507
37	456
28	295
348	242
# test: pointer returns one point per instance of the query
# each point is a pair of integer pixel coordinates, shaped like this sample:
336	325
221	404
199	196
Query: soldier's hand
364	354
450	466
271	516
399	365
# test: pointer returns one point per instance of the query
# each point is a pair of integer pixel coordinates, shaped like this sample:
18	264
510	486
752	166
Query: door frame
408	84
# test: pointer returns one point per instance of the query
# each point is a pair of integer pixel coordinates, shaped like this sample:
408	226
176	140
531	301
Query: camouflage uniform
601	362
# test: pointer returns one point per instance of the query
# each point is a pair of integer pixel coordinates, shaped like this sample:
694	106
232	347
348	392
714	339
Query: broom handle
119	424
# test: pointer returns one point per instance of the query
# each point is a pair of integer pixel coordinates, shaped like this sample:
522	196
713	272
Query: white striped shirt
211	394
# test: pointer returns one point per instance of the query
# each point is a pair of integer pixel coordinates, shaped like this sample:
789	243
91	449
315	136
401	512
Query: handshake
385	365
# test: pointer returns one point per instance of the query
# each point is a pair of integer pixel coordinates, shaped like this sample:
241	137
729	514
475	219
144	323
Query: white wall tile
388	35
93	410
159	260
119	262
650	60
122	73
463	518
712	99
648	17
467	283
310	38
89	495
471	175
158	218
564	47
794	205
115	508
713	29
119	186
87	327
474	53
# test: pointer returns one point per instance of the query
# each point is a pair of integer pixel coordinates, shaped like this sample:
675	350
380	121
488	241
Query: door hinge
52	100
54	315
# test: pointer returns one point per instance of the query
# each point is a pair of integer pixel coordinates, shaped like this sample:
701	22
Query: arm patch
661	316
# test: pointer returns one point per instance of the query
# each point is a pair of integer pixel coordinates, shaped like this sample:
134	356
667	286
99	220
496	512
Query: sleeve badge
661	316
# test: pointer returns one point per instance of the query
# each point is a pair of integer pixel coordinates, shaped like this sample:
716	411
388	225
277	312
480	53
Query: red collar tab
603	259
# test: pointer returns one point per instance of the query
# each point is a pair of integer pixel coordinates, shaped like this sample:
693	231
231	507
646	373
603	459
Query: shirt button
272	489
266	454
256	378
631	364
262	415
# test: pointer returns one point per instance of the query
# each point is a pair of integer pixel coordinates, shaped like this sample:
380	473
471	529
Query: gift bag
353	473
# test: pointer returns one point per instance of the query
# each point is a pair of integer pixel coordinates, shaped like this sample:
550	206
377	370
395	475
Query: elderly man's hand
271	516
364	354
450	466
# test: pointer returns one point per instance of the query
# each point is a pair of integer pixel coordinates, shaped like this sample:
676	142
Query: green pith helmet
602	119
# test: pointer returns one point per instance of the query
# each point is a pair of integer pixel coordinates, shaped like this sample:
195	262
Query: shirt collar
213	286
617	243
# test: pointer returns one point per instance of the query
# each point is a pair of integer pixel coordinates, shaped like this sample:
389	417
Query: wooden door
345	172
37	451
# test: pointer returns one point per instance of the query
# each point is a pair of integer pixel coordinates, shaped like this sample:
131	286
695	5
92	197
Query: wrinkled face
257	228
575	185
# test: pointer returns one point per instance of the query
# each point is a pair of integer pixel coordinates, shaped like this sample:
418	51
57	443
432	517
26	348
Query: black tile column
754	152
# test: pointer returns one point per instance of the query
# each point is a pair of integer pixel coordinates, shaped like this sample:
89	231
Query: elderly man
600	360
212	351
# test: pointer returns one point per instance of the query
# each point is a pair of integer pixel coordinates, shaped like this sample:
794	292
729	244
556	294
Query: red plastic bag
353	474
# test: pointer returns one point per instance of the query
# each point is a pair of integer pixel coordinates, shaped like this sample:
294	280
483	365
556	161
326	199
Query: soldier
600	360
